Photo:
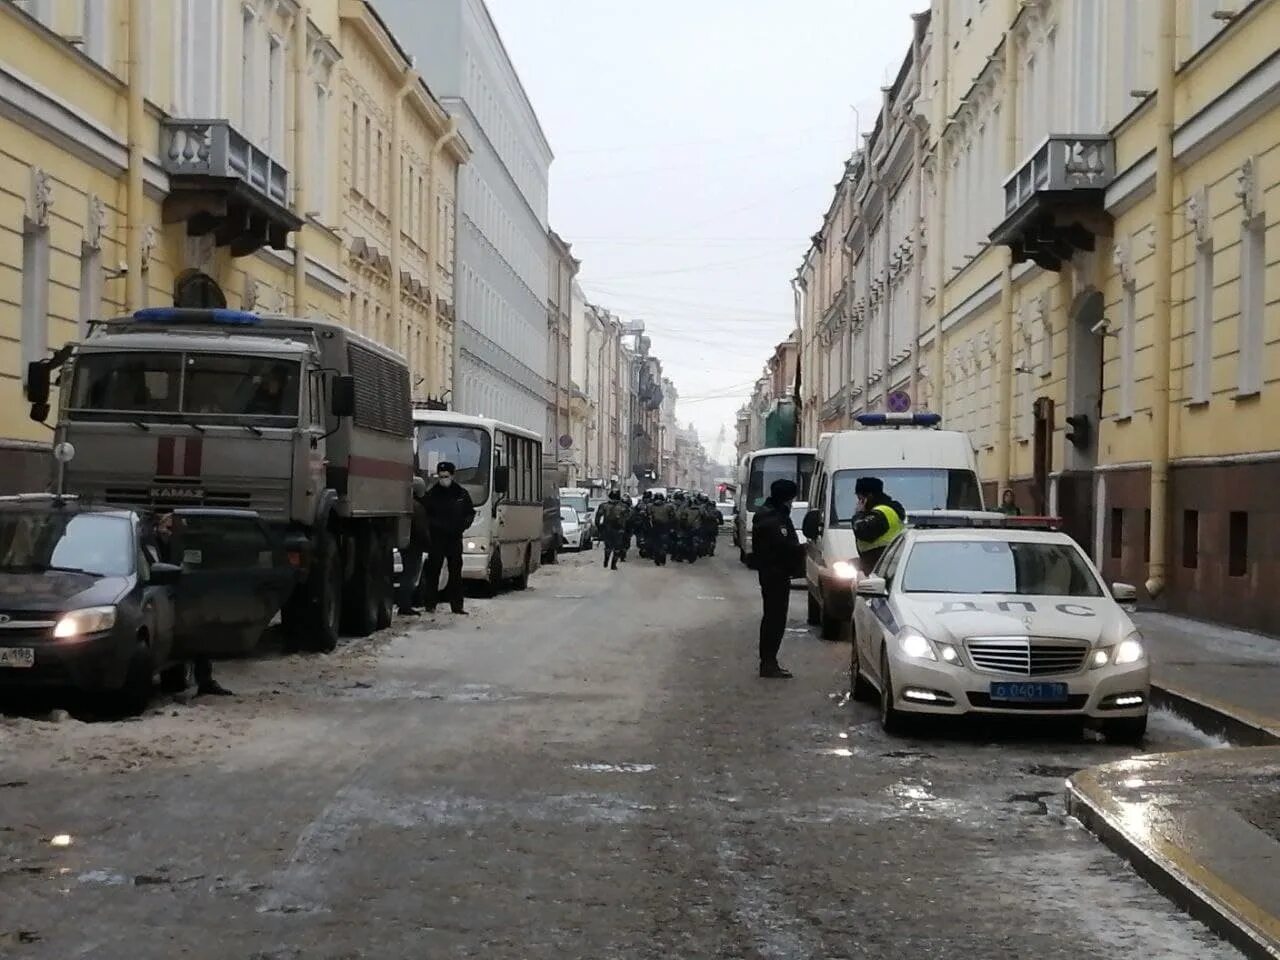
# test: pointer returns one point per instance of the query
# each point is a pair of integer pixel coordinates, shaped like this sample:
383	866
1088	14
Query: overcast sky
697	143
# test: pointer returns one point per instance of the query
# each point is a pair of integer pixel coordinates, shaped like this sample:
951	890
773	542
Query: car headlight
916	647
844	570
1130	651
78	623
476	545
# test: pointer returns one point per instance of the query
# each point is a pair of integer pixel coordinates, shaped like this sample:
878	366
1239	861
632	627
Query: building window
355	147
90	287
1128	350
1238	544
1117	532
35	293
276	85
366	156
42	10
1202	325
1190	539
319	153
248	74
1088	68
198	64
95	28
1253	272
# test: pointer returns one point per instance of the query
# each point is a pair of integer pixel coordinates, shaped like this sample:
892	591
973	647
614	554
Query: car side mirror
1124	592
502	480
812	525
165	574
873	587
37	382
342	397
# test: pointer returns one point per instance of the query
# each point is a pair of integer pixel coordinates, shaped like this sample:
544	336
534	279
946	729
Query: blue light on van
898	419
222	317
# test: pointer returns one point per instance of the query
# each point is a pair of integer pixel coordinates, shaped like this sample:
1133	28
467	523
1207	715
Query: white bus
756	474
500	465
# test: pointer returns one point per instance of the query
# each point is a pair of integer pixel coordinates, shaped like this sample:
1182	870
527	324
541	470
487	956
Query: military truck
305	422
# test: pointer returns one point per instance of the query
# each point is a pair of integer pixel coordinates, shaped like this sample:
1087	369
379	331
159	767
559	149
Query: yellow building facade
146	145
1107	277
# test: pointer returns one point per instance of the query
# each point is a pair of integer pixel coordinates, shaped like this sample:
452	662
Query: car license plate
1029	692
17	657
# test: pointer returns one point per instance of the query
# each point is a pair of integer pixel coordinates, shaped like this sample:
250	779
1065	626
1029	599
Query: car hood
953	618
57	590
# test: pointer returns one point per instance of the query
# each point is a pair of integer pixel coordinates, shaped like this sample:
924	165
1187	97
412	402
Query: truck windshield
86	543
778	466
207	385
467	448
915	489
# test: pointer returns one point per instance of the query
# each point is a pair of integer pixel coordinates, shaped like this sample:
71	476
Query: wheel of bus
360	609
385	570
522	582
493	581
313	615
815	611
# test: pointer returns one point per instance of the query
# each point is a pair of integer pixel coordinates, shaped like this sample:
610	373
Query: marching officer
614	516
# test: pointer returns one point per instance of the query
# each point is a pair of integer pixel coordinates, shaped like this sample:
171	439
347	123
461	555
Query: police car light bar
898	419
220	317
951	520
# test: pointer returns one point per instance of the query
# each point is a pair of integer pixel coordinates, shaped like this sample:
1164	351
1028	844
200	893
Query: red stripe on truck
164	457
192	456
376	469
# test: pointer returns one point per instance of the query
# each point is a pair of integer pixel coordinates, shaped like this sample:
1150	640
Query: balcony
221	184
1054	205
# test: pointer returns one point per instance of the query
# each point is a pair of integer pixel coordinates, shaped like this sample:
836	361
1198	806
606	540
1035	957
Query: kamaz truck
304	422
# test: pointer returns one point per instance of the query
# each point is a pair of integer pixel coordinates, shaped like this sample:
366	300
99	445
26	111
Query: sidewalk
1203	826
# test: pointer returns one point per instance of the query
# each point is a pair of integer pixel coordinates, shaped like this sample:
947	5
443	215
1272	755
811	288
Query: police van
923	467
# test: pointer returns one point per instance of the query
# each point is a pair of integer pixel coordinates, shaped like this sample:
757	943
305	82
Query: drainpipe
435	364
919	213
941	51
1160	375
137	119
795	295
886	230
1004	355
300	153
399	337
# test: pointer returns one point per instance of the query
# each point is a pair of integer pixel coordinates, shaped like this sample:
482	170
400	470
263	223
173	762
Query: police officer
879	521
777	555
661	519
711	521
613	526
450	511
640	521
628	527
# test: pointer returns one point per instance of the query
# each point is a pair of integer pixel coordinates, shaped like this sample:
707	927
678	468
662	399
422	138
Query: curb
1175	873
1238	726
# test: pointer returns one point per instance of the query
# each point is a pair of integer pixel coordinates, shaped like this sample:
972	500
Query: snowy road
587	769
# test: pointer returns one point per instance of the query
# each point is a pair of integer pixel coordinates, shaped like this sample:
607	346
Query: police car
973	615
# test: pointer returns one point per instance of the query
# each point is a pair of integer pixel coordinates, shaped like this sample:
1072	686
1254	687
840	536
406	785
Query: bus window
467	448
779	466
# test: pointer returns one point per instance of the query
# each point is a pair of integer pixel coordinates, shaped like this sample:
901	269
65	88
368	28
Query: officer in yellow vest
879	521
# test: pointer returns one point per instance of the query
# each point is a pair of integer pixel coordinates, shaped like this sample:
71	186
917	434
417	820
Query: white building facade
500	344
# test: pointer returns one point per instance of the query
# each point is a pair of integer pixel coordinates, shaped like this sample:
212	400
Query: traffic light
1079	433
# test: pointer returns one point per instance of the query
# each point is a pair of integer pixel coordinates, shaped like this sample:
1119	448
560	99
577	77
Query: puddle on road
570	596
384	690
713	598
615	767
105	878
1051	771
1036	798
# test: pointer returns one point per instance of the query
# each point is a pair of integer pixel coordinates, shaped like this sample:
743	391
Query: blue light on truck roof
899	419
227	318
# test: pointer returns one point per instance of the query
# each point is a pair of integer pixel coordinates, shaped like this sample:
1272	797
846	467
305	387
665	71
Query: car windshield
576	500
207	386
568	515
90	543
467	448
1023	568
777	466
915	489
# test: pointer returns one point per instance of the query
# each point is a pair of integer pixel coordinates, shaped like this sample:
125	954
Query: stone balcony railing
1061	164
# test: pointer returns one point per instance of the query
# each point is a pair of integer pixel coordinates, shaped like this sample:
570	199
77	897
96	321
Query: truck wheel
385	574
360	609
815	611
493	583
315	619
522	582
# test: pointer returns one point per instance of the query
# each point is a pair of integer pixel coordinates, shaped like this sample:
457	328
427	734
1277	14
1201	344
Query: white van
922	467
756	474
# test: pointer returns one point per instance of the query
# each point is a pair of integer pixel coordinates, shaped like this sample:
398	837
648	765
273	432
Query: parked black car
87	600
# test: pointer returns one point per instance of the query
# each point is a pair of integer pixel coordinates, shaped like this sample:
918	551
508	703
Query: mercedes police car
997	616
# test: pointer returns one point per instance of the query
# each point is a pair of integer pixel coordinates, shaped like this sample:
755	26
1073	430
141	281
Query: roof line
524	94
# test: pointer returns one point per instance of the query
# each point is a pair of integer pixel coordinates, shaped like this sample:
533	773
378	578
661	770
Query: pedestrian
661	519
879	521
411	556
160	548
627	528
450	511
778	555
1007	505
613	527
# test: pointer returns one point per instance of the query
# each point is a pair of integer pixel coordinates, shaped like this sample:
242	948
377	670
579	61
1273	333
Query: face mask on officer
444	479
